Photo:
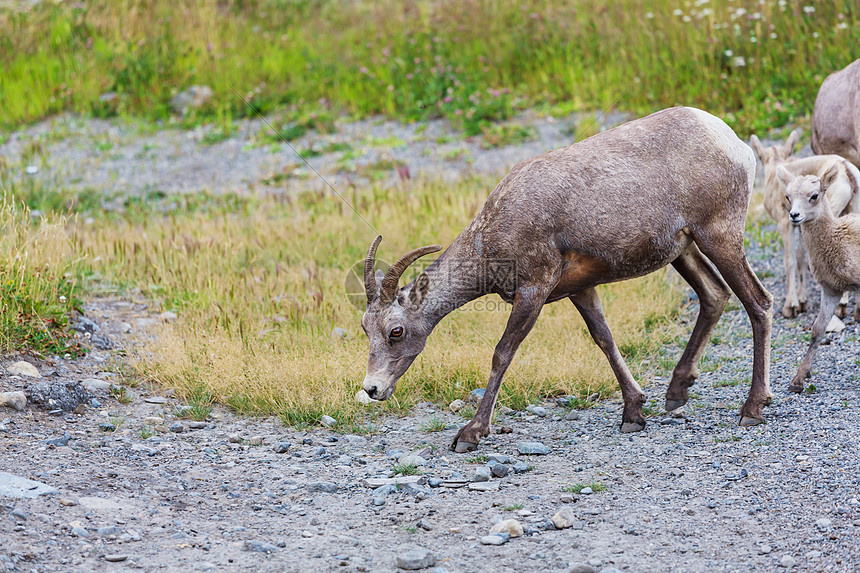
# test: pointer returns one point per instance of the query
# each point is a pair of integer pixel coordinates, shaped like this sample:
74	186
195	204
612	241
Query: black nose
371	392
794	215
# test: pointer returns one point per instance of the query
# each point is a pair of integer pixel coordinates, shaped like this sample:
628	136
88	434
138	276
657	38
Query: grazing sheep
836	116
833	245
670	188
843	197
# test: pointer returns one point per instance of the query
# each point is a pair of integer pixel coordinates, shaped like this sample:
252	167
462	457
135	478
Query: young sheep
833	245
843	197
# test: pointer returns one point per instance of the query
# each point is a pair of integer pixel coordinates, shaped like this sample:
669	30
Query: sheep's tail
854	180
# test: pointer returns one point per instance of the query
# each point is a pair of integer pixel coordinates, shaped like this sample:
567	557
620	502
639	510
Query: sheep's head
804	194
393	322
775	153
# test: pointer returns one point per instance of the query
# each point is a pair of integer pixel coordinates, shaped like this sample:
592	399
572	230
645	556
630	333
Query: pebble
96	385
168	316
484	486
586	491
362	397
256	440
328	421
823	523
521	467
492	540
510	526
62	441
234	439
108	530
323	486
564	518
532	448
18	513
259	547
107	427
580	568
196	425
536	410
500	458
456	406
153	420
177	427
787	561
155	400
16	400
116	558
572	415
498	470
765	549
282	447
476	395
22	368
481	474
411	459
415	559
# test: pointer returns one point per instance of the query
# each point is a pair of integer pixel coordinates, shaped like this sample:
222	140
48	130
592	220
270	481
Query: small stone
565	401
79	532
572	415
22	368
492	540
415	559
536	410
564	519
328	421
196	425
68	502
484	486
234	439
522	467
19	514
823	523
586	491
456	406
565	498
15	400
282	447
424	524
481	474
580	568
168	316
500	458
177	427
108	530
765	549
532	448
96	385
362	397
476	395
498	470
256	440
787	561
412	459
593	398
510	526
814	554
323	486
116	558
107	427
434	482
155	400
259	547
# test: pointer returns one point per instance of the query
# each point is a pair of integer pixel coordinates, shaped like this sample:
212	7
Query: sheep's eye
396	332
814	197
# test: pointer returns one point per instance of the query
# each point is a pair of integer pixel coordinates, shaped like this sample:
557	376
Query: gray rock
564	518
522	467
572	415
177	427
61	441
16	400
259	547
532	448
434	482
565	401
492	540
456	406
484	486
476	395
19	514
593	398
586	491
108	530
415	559
580	568
193	98
787	561
498	470
256	440
328	421
196	425
323	486
168	316
116	557
155	400
234	439
79	532
107	427
96	385
22	368
512	527
500	458
85	325
408	459
823	523
481	474
536	410
54	395
282	447
18	487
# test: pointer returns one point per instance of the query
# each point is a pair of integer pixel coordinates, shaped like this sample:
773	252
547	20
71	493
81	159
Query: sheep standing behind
833	245
836	117
843	197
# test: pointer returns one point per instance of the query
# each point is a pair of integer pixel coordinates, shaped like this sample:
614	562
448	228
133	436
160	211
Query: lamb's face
804	198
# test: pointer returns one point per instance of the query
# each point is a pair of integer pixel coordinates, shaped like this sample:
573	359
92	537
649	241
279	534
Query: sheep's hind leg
589	306
842	308
829	300
713	295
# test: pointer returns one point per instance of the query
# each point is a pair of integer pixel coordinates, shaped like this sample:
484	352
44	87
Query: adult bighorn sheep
833	244
836	116
843	198
672	187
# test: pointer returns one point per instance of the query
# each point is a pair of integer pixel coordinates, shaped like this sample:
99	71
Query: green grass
120	394
406	470
514	507
759	65
434	424
477	459
595	486
506	134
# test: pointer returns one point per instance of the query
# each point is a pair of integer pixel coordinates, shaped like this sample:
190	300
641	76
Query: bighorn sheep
670	188
836	116
833	244
843	197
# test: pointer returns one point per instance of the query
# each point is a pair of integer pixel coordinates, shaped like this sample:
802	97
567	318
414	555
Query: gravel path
691	493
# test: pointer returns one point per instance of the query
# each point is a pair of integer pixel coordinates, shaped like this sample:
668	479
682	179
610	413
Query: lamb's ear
783	174
829	177
419	289
757	147
790	143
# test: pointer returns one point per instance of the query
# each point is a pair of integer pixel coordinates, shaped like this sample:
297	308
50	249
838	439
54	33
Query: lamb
843	197
836	116
833	244
670	188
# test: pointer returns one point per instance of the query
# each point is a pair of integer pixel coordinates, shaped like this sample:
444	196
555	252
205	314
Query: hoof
462	447
797	389
674	404
841	311
802	307
788	312
750	421
630	427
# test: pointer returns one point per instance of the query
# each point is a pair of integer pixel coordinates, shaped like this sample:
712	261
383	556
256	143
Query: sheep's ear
783	175
829	177
757	147
790	143
419	289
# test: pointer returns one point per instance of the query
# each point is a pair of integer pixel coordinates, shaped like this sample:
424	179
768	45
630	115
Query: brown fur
670	188
836	117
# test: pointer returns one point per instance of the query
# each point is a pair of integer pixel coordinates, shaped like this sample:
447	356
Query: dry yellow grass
259	291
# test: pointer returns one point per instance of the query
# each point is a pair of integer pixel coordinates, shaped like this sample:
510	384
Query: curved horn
369	262
392	277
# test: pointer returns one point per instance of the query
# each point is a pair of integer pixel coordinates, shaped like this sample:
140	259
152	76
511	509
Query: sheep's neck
456	278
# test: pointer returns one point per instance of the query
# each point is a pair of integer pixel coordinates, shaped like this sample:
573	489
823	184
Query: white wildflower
739	62
809	9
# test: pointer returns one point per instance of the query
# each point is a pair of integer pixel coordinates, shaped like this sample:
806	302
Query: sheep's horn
392	277
369	262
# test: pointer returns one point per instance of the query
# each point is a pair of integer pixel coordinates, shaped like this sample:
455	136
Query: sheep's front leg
829	300
789	258
589	306
528	303
804	276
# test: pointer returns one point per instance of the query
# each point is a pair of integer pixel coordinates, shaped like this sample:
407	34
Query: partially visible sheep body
833	245
843	196
836	117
